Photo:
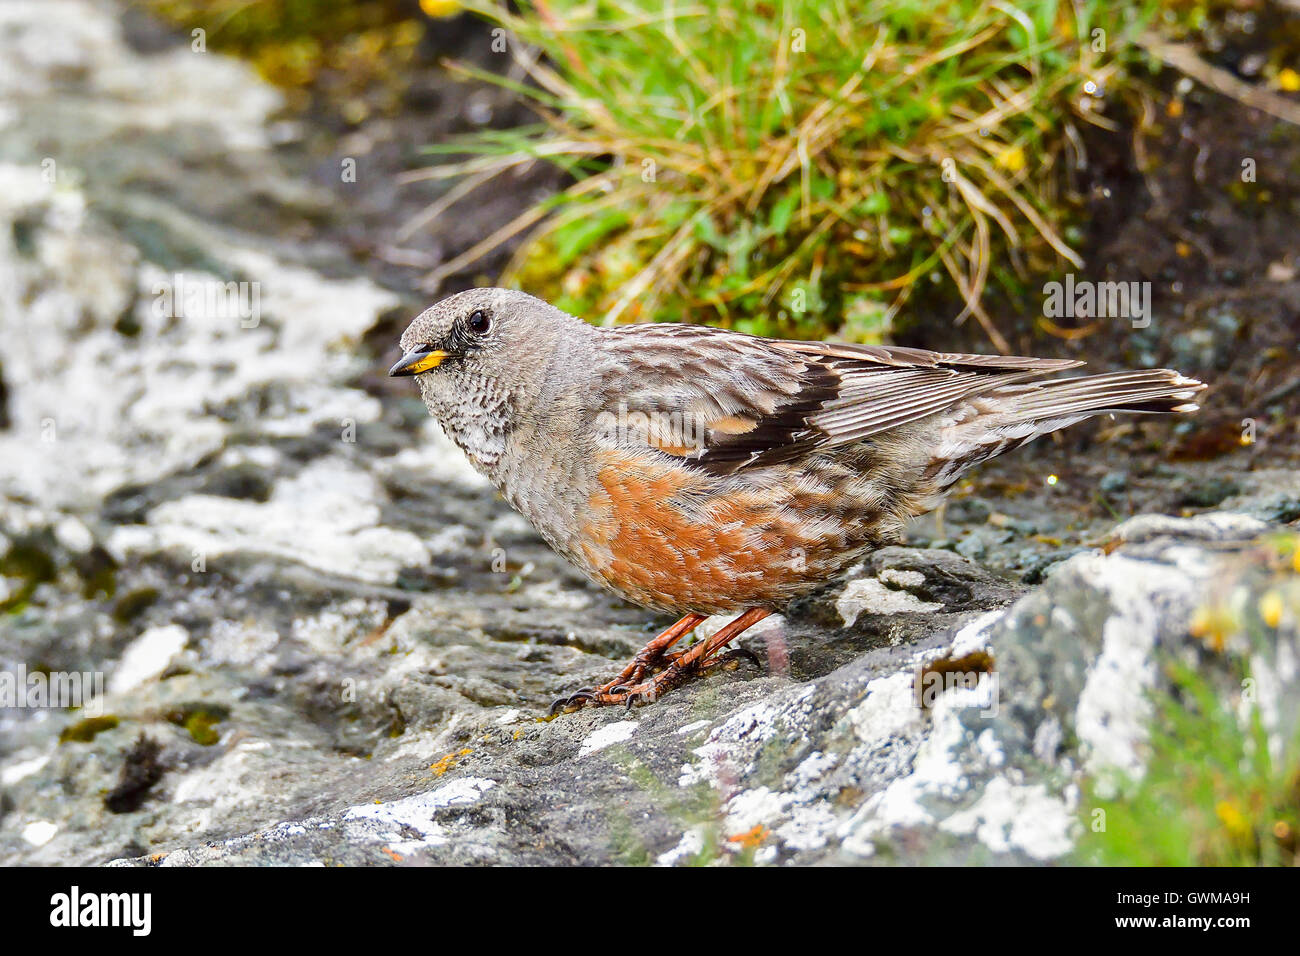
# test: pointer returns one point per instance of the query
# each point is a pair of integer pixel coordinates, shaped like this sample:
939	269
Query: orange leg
650	656
621	690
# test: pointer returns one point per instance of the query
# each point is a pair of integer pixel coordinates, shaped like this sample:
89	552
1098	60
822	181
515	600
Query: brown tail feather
1017	414
1154	390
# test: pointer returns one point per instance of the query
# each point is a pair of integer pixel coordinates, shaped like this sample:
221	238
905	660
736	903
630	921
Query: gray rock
1113	483
799	767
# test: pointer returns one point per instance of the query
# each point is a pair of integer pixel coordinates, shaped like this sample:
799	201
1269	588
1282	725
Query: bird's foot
671	669
678	670
612	691
650	658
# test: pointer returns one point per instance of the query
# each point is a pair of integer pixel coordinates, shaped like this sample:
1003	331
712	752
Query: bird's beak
413	363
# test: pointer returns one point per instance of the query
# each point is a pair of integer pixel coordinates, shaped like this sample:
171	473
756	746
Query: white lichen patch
901	578
450	540
553	594
888	710
234	781
812	769
339	628
730	748
810	826
974	636
1114	709
693	727
607	736
40	832
416	812
1009	817
325	517
74	535
753	808
99	414
93	409
690	846
937	774
796	817
11	773
147	656
242	643
869	594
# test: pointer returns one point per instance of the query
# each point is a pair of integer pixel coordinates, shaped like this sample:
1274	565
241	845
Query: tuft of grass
792	167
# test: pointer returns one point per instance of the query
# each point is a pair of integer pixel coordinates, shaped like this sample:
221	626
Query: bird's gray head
483	359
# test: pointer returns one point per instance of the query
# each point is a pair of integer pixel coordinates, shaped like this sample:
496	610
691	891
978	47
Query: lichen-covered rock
961	736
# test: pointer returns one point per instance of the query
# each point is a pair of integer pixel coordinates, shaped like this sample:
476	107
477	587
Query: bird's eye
478	322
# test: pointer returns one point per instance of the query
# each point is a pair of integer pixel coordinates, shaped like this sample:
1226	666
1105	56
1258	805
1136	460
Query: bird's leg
708	652
681	664
653	654
649	657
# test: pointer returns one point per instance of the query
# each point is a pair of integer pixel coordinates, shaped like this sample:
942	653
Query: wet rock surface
323	639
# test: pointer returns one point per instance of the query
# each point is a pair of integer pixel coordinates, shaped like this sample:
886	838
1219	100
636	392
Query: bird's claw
736	654
578	697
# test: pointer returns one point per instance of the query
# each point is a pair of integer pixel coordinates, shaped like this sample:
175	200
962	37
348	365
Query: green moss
1216	790
31	562
627	846
133	604
86	729
396	720
366	47
694	807
1211	796
98	572
200	721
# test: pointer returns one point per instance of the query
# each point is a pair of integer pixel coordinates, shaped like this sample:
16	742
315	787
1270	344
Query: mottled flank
657	535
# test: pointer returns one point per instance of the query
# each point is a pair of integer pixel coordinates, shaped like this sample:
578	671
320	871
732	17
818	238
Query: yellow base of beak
413	363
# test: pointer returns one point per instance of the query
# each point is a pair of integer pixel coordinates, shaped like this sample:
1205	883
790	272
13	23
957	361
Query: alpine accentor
702	471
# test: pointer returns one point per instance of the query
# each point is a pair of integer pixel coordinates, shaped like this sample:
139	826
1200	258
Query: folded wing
724	402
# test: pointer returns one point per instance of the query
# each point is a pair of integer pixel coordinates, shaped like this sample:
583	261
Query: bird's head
484	359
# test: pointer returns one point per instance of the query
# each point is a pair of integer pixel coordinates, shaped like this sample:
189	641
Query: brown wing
725	402
882	387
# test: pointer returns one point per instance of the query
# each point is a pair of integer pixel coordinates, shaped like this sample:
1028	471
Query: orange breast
669	537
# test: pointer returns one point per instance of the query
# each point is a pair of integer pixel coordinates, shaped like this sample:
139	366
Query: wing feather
748	402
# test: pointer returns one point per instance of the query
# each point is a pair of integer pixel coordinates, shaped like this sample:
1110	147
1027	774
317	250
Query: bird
703	471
